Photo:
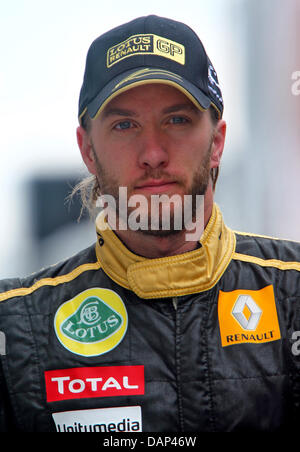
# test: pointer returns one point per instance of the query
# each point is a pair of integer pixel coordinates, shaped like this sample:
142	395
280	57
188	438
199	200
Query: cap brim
141	76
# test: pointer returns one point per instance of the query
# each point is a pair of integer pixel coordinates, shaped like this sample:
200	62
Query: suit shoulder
54	275
268	248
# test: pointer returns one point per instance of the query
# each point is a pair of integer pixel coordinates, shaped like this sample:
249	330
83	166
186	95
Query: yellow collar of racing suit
172	276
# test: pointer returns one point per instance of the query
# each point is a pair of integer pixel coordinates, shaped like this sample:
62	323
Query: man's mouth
156	186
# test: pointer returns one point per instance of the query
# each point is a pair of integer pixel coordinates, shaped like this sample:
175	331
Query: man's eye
123	125
178	120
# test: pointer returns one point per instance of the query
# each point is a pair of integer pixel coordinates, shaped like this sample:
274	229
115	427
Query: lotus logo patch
92	323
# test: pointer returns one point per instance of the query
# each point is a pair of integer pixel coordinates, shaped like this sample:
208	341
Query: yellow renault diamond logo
248	316
246	312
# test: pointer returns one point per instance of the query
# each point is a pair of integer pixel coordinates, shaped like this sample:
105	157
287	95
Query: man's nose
153	149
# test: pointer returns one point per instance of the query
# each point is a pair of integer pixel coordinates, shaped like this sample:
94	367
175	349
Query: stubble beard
110	186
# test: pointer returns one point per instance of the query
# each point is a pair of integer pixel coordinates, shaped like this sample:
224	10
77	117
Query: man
153	329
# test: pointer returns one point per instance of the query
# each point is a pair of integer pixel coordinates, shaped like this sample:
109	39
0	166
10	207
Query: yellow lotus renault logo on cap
146	44
248	316
92	323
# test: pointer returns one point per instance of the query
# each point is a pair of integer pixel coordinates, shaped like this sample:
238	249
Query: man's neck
153	246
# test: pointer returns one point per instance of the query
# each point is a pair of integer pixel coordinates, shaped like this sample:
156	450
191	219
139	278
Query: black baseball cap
148	49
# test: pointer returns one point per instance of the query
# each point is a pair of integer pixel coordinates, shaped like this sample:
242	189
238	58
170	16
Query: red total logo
87	382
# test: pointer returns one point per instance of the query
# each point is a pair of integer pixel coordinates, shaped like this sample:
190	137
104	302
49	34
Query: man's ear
85	146
218	144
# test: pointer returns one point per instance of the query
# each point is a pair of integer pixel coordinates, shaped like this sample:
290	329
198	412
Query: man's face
152	140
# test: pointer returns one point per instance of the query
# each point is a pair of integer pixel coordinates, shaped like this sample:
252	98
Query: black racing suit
110	341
